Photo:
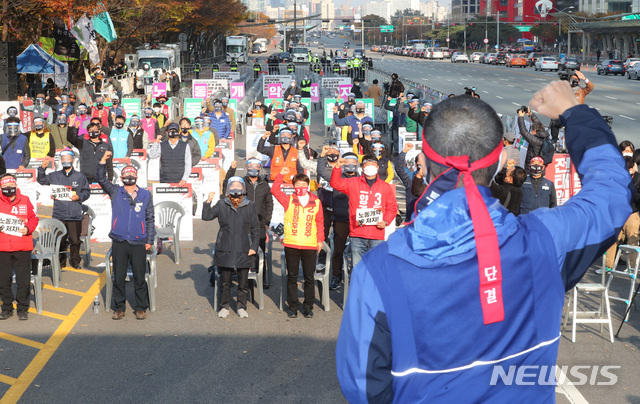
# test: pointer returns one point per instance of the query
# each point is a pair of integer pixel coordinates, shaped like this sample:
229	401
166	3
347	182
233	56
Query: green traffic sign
523	28
386	28
631	17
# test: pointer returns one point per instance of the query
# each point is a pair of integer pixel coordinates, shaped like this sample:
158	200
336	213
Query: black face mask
235	194
38	127
67	164
536	169
119	125
253	172
94	135
148	114
83	112
350	168
114	103
184	130
173	134
99	105
129	180
332	157
9	191
360	110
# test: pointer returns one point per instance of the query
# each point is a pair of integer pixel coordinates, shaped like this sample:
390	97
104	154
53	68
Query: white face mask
627	154
370	171
156	110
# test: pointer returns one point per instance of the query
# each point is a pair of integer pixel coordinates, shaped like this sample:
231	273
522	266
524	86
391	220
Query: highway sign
386	28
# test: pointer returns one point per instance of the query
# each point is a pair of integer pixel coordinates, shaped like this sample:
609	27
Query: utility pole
465	36
498	30
486	35
295	18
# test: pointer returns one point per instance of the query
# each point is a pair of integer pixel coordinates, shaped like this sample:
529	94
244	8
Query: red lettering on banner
564	176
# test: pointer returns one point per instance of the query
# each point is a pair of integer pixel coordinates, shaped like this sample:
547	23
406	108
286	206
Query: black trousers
125	254
327	229
243	290
20	262
293	256
74	229
340	235
555	126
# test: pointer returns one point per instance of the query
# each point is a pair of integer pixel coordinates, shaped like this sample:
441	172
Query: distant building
465	9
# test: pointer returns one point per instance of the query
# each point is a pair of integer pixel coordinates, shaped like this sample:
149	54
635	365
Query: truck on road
156	57
237	49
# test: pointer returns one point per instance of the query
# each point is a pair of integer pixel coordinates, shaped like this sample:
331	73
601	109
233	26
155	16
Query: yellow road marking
37	364
64	290
99	255
20	340
7	379
48	314
48	217
81	271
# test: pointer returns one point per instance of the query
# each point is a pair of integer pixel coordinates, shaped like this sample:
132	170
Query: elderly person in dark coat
237	240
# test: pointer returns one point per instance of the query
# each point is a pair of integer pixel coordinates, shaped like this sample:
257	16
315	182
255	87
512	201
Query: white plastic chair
322	279
168	216
151	277
603	312
49	236
254	281
85	239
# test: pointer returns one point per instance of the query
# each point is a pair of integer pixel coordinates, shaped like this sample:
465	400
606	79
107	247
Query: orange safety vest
278	162
300	229
258	113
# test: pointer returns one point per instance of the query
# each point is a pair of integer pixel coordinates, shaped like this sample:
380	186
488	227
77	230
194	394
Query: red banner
564	177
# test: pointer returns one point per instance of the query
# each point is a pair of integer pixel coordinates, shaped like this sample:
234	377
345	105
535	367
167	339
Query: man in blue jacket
133	231
67	209
537	191
466	291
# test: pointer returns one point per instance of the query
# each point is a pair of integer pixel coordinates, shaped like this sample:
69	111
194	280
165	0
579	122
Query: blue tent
35	60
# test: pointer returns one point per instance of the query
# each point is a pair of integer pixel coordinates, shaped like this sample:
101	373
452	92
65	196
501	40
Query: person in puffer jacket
468	291
133	232
19	220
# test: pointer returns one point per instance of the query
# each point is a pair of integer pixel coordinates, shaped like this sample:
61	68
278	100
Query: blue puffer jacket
413	330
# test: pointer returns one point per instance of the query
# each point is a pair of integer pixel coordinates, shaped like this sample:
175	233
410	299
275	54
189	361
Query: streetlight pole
486	35
560	27
498	30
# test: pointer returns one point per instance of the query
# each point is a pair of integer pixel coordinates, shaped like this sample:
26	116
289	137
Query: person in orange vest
303	238
101	112
282	155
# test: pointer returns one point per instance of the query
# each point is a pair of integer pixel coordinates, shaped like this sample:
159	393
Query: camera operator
396	88
535	137
580	92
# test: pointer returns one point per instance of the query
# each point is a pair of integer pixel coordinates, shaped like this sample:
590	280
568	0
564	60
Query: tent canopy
35	60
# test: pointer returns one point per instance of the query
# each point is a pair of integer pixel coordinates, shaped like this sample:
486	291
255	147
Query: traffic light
471	24
326	20
555	23
454	24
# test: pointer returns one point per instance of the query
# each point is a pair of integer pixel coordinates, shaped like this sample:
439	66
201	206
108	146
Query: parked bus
525	44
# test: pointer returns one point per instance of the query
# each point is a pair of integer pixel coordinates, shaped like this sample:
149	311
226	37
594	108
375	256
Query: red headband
7	180
129	170
484	230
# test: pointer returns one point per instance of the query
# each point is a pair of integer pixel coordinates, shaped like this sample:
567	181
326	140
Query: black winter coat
260	194
239	232
535	141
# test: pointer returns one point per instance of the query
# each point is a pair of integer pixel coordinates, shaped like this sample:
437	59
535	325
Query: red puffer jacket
21	208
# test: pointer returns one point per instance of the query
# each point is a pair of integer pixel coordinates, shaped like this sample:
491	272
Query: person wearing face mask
397	120
580	93
92	151
339	213
80	120
626	148
259	192
63	106
237	241
175	156
420	116
385	166
536	136
231	114
412	105
292	90
132	233
537	191
282	155
139	138
59	132
367	194
15	145
68	211
102	112
185	136
355	121
150	125
259	110
303	238
346	106
207	140
407	171
40	109
396	87
116	108
11	112
220	121
305	86
355	89
41	143
362	144
15	249
105	131
158	115
121	139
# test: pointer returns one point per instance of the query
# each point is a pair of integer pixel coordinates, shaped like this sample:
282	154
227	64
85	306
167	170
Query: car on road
501	58
358	53
446	52
546	63
435	53
483	58
634	71
459	57
532	57
610	66
342	62
490	58
284	57
569	64
516	61
629	61
475	57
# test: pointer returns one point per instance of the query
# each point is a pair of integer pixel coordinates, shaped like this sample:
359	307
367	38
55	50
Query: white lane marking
611	98
567	389
516	104
459	83
494	82
448	79
497	96
486	92
438	77
526	89
509	85
627	117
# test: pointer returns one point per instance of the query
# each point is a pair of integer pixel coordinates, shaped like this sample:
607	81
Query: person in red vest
101	112
15	247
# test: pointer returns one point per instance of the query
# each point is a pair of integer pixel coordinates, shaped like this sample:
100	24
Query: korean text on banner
11	225
192	107
275	90
159	89
227	152
212	86
131	106
100	203
284	80
334	83
210	180
344	91
138	159
182	196
315	92
236	90
564	176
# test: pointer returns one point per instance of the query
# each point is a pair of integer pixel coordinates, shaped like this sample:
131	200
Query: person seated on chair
237	240
133	231
67	210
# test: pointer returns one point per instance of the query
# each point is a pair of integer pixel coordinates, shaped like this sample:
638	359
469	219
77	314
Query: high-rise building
259	6
328	11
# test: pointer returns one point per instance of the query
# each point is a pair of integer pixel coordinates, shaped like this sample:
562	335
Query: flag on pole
86	35
66	44
104	26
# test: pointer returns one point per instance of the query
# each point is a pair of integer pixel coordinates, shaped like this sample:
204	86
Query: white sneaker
242	313
223	313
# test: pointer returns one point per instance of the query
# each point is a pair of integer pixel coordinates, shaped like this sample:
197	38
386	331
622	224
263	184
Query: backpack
547	151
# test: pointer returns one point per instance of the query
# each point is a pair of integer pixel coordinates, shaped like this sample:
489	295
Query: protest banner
181	195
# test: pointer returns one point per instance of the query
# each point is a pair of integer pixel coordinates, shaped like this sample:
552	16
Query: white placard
228	76
100	203
212	86
277	217
196	179
26	181
138	159
227	152
210	181
368	216
11	225
182	195
334	83
284	80
61	192
253	137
